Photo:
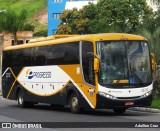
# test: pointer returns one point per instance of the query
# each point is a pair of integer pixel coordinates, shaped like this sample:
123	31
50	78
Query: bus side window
87	62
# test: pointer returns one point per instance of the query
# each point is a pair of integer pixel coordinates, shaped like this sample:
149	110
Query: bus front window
124	60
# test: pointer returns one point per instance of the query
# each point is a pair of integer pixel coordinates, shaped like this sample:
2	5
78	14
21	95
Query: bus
94	71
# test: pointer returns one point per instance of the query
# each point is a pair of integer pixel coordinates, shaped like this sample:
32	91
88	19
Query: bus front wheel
74	104
119	110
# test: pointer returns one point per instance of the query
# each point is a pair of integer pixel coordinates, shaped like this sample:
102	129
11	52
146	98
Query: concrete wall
23	37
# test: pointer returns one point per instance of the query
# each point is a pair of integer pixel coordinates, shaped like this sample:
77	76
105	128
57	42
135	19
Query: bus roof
57	39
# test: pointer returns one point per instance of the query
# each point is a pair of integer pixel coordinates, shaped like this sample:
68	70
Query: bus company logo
29	74
36	74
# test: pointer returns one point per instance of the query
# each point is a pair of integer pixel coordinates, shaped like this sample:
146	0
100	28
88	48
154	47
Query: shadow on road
98	112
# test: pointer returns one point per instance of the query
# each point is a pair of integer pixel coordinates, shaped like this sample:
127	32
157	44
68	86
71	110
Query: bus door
87	64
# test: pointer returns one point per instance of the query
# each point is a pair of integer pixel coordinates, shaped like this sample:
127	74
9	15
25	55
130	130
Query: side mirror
153	62
96	65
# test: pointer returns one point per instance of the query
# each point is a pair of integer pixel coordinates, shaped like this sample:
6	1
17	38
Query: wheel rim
74	103
20	99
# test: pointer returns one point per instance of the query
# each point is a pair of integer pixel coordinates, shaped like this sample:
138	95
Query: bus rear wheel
119	110
74	104
21	101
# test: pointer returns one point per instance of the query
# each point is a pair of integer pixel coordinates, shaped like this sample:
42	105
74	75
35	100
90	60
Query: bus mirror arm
96	61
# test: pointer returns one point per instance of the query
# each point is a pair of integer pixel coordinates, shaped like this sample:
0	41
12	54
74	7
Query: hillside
37	11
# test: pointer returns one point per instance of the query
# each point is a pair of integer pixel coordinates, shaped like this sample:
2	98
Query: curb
151	110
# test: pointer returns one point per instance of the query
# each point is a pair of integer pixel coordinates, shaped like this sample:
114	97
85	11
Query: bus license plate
130	103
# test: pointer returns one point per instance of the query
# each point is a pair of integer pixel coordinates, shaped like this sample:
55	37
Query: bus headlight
147	94
106	95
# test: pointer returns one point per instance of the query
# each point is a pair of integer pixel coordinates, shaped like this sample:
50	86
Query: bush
156	84
29	27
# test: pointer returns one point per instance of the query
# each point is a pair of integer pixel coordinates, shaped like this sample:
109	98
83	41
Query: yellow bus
97	71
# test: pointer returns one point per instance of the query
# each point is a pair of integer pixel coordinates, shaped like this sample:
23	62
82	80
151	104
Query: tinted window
45	55
87	62
57	54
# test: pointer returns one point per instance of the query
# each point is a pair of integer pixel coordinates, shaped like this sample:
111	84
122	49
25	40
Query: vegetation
156	103
106	16
35	8
13	22
32	6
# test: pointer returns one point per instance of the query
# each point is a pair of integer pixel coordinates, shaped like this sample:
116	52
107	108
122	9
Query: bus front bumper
103	102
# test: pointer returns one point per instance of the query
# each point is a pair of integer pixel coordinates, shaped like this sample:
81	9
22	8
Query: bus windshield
126	61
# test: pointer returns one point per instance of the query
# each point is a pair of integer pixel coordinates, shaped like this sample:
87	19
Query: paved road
10	112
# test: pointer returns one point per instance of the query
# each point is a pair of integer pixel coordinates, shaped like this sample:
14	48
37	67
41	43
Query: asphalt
142	109
10	112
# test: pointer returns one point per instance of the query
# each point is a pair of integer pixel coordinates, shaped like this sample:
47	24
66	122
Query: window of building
57	1
27	41
56	15
19	42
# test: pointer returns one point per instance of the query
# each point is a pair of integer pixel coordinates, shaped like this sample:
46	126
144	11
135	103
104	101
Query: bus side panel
9	81
11	85
60	98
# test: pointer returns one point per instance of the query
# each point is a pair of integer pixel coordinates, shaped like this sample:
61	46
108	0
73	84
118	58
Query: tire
74	104
21	101
119	110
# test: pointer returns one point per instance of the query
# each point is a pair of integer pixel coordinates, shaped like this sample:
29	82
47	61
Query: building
55	8
7	39
152	4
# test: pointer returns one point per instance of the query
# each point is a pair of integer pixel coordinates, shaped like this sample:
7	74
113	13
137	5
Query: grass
32	6
156	103
35	8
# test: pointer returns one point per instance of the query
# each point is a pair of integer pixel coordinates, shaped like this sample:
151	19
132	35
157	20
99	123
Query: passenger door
87	64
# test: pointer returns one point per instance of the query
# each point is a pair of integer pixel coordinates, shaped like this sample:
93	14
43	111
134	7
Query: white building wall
152	5
77	4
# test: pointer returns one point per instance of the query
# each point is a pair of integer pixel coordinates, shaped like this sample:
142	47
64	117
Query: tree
13	22
154	41
107	16
151	31
123	16
73	22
